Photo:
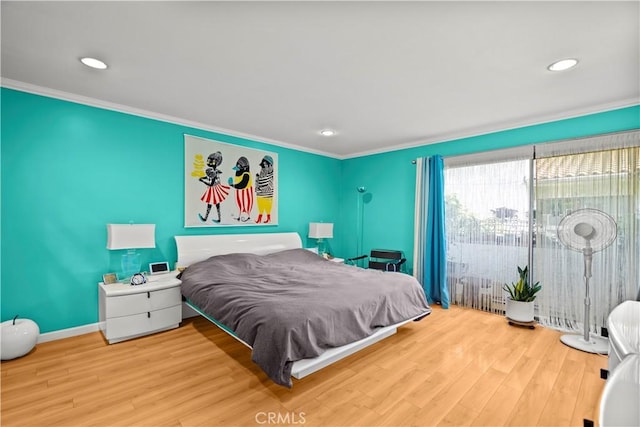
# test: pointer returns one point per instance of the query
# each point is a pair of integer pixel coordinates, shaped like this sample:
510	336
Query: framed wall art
228	185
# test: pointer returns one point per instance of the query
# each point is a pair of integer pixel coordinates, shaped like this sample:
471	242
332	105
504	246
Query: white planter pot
520	311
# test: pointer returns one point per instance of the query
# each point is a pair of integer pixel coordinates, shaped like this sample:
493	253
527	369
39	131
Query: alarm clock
138	279
158	267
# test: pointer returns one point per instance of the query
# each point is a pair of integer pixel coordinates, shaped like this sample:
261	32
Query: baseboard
94	327
68	333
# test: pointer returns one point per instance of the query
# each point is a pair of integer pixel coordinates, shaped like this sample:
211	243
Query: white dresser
128	311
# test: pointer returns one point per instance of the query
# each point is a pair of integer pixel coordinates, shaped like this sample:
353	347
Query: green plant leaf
522	290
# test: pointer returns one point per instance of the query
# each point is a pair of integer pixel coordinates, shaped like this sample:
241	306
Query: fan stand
587	342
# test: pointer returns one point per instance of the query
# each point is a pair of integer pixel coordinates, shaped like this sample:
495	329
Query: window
607	180
501	214
487	223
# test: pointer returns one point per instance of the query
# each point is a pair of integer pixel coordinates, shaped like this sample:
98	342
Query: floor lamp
360	220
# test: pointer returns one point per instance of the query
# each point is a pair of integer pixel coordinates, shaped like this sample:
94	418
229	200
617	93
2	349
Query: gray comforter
294	305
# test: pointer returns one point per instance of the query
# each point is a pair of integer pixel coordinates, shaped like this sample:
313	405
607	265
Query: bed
296	311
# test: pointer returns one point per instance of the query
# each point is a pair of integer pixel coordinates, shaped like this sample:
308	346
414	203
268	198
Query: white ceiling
383	74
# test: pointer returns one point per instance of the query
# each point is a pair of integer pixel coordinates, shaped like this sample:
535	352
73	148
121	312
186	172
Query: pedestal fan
587	231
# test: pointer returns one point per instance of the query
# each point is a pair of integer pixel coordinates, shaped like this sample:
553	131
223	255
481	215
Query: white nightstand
133	311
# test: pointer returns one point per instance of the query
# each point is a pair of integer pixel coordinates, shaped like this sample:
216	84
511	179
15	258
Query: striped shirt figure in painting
215	192
243	184
264	189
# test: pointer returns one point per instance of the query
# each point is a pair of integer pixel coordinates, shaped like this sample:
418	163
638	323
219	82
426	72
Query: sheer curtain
487	219
498	217
568	179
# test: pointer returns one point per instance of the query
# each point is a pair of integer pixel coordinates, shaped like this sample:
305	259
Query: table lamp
130	237
320	231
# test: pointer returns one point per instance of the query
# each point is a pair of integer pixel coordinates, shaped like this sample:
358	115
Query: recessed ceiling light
327	132
563	64
94	63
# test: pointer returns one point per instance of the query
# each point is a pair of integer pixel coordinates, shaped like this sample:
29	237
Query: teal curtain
432	242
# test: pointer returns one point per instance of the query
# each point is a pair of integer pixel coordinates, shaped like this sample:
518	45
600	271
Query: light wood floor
456	367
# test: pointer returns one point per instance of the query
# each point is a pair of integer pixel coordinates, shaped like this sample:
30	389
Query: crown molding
446	137
106	105
504	126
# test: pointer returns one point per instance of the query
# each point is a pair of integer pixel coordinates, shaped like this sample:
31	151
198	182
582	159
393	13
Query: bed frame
197	248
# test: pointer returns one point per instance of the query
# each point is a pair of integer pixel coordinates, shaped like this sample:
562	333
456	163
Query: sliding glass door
498	219
606	180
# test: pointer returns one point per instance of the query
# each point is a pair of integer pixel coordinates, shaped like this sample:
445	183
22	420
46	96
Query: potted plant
521	297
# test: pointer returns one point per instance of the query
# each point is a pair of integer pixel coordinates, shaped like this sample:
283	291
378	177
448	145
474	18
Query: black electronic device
158	267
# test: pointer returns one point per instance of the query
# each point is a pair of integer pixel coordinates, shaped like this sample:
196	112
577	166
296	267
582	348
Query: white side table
128	311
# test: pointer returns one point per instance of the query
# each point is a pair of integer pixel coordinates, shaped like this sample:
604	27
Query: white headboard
197	248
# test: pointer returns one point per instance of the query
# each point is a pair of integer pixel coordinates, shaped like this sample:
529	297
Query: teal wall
387	217
69	169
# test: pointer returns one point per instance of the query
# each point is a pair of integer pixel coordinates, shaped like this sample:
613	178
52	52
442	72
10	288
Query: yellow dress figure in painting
264	189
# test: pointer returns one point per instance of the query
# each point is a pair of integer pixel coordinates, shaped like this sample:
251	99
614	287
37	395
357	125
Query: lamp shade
320	230
131	236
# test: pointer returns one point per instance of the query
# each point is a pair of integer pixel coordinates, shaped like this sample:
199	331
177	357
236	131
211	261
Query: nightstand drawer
125	327
143	302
